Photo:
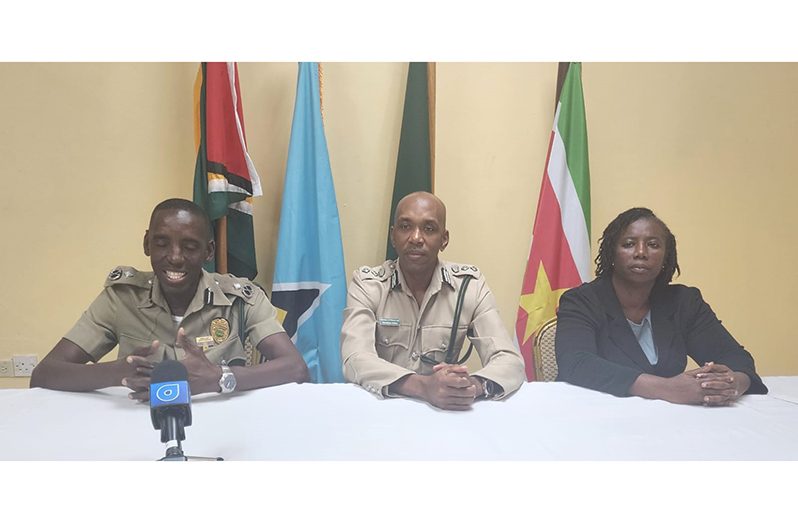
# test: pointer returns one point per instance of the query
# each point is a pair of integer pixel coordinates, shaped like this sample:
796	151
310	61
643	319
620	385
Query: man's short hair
180	204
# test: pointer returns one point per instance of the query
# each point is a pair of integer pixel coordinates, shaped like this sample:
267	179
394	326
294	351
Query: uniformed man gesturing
177	311
399	316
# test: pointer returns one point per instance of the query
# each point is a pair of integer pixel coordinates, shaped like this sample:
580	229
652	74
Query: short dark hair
180	204
609	239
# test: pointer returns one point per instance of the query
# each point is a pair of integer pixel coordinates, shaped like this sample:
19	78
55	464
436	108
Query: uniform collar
198	301
440	275
446	276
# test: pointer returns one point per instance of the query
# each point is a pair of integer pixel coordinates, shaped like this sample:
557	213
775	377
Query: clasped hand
714	385
450	387
203	376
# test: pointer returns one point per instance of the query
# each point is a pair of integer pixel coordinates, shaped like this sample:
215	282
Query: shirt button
414	355
385	341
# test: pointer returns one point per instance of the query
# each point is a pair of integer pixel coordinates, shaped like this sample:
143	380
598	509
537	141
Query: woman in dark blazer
629	331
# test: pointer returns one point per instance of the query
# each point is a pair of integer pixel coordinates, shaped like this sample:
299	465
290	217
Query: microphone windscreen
170	395
168	370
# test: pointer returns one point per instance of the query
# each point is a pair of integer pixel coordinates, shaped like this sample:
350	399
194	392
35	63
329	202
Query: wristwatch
488	388
228	380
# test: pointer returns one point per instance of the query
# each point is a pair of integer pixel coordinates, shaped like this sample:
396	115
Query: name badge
205	342
389	322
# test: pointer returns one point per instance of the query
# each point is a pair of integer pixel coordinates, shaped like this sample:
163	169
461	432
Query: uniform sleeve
361	363
708	340
578	359
95	331
501	360
261	319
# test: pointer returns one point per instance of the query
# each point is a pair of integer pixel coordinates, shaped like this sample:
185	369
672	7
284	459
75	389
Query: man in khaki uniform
398	319
178	311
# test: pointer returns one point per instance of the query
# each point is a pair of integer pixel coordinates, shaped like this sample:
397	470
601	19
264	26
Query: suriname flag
559	258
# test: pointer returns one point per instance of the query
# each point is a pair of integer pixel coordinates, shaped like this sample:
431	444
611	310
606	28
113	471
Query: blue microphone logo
169	393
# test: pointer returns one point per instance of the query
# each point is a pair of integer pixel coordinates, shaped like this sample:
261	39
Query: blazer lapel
619	331
663	326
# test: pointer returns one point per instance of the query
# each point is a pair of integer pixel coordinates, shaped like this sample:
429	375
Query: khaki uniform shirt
385	332
131	312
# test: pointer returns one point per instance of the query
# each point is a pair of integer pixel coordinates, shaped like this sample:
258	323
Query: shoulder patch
379	273
235	286
124	275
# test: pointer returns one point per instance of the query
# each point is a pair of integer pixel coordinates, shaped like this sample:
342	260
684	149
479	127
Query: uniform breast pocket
392	342
231	350
435	340
129	344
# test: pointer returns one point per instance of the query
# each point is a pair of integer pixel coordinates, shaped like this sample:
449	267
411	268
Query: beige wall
88	149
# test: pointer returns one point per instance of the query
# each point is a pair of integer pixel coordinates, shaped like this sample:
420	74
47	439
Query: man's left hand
462	370
203	376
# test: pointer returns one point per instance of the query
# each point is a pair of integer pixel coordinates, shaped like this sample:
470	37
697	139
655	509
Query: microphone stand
174	450
176	454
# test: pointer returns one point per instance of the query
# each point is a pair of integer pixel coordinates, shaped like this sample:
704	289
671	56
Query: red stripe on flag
223	144
549	248
549	244
240	106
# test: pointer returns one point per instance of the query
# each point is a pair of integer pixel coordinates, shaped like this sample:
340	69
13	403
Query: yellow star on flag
540	305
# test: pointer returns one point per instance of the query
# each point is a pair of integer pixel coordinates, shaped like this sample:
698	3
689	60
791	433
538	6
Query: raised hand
203	376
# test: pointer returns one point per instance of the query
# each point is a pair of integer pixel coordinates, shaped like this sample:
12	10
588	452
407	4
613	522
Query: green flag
414	162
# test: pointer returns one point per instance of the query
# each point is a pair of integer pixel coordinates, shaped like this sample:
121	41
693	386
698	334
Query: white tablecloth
542	421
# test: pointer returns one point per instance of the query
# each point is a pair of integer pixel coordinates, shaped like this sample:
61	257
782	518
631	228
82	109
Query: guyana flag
225	179
559	258
414	166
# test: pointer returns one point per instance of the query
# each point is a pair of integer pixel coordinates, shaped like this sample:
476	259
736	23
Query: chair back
543	351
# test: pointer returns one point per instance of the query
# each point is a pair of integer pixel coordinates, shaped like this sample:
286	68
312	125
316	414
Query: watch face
229	382
489	390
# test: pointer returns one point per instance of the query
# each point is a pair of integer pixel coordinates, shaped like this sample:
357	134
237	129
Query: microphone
170	404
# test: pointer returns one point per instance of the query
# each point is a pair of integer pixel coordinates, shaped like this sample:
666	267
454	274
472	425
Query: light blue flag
309	279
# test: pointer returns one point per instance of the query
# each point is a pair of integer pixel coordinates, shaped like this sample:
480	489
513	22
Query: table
542	421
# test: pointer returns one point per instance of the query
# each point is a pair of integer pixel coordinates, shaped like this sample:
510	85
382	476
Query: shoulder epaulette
124	275
379	273
457	269
235	286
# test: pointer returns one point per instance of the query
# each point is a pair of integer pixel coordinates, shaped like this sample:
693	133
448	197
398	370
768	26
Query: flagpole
431	82
562	71
221	245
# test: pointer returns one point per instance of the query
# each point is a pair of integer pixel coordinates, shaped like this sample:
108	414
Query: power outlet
24	363
6	369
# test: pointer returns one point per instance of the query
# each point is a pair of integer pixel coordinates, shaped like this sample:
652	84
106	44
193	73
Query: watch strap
488	388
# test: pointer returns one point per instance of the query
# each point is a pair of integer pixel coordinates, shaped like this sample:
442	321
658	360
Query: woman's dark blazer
596	348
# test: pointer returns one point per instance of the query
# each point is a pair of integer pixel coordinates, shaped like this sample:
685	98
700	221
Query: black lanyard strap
452	352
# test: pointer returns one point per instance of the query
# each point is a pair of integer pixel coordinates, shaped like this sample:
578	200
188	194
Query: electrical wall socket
6	369
24	363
